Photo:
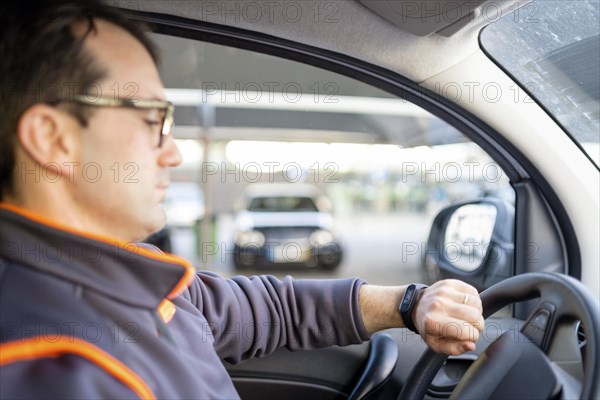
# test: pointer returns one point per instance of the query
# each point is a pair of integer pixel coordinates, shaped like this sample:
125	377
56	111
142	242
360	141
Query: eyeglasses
165	107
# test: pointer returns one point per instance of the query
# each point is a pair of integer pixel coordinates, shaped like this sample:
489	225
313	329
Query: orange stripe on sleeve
33	348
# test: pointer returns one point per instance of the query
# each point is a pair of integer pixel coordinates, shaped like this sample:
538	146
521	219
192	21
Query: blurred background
377	167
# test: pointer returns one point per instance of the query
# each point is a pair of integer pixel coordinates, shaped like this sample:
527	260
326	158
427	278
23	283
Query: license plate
289	253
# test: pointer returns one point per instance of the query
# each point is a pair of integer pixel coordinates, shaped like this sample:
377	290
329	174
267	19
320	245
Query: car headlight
321	237
250	238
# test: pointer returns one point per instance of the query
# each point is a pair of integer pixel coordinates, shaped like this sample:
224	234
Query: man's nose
169	153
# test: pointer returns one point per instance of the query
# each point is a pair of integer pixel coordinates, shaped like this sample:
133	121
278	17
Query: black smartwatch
408	303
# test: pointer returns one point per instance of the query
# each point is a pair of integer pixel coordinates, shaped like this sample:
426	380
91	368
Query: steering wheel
517	364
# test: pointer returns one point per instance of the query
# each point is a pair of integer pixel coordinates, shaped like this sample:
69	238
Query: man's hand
449	317
447	314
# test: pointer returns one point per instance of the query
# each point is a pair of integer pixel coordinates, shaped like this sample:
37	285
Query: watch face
406	300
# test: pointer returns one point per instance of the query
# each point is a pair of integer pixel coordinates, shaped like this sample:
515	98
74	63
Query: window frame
520	171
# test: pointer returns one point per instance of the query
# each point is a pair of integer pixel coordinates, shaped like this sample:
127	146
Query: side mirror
472	241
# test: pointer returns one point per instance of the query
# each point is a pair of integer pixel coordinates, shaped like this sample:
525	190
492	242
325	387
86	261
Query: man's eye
151	122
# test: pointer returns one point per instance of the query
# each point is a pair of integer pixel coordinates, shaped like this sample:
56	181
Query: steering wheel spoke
518	367
539	326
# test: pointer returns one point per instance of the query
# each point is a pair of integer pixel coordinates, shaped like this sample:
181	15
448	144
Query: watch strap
408	303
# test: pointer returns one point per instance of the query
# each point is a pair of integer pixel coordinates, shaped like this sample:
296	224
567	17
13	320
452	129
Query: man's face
122	175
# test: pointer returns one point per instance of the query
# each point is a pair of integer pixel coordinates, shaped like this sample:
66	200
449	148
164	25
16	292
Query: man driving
88	313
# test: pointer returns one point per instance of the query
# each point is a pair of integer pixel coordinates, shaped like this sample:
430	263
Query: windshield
552	48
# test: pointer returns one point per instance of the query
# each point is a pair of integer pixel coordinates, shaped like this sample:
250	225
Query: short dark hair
41	59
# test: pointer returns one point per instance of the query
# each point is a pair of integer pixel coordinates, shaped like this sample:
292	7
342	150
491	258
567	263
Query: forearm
379	307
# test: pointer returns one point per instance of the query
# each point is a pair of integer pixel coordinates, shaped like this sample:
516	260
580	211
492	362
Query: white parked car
285	225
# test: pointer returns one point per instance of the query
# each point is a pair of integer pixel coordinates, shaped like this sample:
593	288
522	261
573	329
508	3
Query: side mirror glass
469	234
472	241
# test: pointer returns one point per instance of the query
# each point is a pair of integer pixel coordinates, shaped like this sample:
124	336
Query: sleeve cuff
358	321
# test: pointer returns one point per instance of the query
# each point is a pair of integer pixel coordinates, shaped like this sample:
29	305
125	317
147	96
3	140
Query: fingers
451	328
449	347
467	297
459	292
455	299
449	316
467	313
453	336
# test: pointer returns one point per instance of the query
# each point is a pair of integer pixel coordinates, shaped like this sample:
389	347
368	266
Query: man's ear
46	134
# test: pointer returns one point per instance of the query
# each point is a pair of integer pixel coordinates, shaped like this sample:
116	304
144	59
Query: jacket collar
128	272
